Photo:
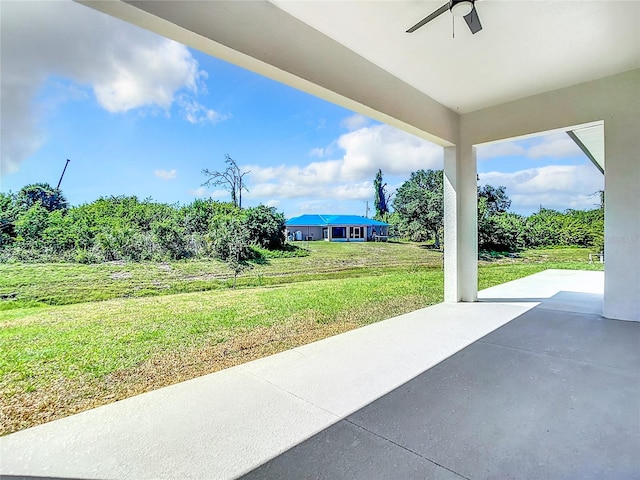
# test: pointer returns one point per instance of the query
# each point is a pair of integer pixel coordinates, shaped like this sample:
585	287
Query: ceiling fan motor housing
460	8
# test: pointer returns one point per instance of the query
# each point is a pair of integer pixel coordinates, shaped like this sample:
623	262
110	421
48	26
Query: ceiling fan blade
473	21
427	19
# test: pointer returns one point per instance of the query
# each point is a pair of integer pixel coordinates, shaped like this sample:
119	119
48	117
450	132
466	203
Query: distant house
336	228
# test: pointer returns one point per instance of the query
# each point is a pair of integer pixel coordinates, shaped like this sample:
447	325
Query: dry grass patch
65	396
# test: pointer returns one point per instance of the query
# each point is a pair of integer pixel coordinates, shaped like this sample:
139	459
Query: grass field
76	336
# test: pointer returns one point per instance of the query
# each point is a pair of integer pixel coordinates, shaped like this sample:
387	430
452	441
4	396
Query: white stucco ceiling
525	47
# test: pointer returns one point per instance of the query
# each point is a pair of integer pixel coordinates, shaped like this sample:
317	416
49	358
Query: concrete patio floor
530	382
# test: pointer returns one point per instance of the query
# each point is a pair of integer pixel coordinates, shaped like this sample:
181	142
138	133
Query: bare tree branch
231	178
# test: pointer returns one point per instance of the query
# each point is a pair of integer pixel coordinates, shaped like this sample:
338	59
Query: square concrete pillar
622	218
460	225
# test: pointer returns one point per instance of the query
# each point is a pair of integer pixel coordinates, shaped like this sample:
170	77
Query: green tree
419	204
231	178
497	229
265	226
500	232
42	193
232	245
30	225
381	200
7	217
200	216
496	199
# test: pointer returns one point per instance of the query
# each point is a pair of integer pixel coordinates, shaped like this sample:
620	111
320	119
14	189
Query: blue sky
141	115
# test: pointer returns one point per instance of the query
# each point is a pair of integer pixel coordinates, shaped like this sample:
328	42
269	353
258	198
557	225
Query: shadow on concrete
551	394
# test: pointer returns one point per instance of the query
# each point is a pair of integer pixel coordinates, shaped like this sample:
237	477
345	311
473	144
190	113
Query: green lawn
76	336
66	283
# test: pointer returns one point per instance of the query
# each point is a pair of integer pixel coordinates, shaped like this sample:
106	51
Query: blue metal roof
328	220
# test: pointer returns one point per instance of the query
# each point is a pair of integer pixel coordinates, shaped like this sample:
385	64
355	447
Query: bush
124	244
201	216
265	226
501	232
573	227
59	235
30	225
231	245
170	238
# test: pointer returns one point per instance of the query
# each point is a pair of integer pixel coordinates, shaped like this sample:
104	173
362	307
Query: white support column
460	225
622	219
451	270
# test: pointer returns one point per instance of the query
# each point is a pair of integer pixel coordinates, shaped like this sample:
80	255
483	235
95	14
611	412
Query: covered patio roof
536	66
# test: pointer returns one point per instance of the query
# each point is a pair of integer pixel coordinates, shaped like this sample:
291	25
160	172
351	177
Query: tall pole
64	170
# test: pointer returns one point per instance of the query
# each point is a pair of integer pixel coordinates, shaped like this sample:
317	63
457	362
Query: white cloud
125	67
272	203
202	191
324	152
311	206
150	74
166	174
290	189
504	149
354	122
220	194
348	178
556	146
392	150
194	113
554	186
317	152
198	192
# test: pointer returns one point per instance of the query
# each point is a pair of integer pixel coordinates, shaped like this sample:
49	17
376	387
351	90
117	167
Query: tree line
418	215
37	223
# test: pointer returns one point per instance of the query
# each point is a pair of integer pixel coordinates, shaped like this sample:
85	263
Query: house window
339	232
325	233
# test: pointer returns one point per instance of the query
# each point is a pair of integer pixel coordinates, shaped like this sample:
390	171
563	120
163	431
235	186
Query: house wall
307	231
317	232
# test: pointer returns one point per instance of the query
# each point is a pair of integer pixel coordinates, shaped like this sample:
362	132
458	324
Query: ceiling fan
458	8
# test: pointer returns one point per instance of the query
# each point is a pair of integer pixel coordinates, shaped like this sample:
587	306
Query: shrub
170	238
231	245
30	225
265	226
201	216
41	194
573	227
124	244
501	232
59	235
